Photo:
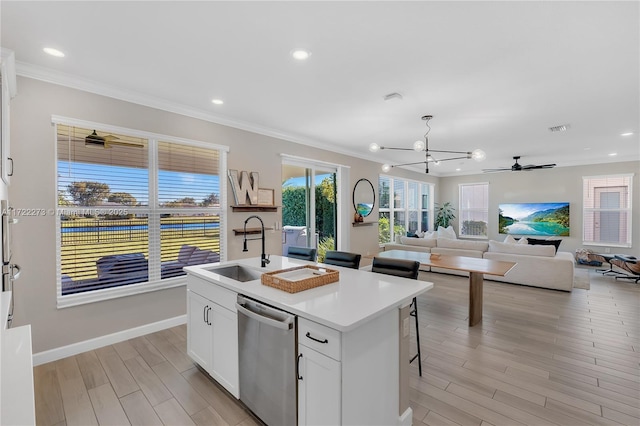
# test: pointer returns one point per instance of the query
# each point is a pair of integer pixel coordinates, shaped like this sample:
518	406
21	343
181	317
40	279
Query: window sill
117	292
602	244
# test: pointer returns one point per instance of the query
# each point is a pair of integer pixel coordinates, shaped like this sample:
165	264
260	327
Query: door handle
10	159
298	367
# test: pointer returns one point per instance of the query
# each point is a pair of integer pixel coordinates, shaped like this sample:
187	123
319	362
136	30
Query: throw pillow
555	243
447	232
412	235
523	240
430	235
510	240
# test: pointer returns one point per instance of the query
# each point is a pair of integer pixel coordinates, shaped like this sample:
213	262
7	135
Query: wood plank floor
539	357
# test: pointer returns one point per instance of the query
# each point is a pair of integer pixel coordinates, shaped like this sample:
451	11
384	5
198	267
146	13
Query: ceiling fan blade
496	170
539	166
111	142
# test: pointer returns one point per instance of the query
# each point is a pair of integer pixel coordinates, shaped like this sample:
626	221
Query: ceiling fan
95	140
517	167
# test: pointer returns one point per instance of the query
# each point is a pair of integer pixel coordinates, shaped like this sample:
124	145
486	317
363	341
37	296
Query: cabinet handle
208	310
317	340
204	314
298	367
10	159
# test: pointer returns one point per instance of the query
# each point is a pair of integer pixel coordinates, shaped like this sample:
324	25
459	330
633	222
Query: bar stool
406	269
302	253
342	258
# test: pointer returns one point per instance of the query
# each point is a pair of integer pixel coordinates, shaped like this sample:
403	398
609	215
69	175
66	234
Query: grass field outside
81	249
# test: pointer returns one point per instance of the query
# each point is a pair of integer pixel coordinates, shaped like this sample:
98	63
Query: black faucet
263	257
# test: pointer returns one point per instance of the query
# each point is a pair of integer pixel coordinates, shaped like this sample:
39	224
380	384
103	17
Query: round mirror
364	197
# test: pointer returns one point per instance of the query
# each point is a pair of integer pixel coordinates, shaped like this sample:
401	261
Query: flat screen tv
550	219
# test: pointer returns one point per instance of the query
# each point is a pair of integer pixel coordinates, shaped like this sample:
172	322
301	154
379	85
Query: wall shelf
240	231
254	208
363	223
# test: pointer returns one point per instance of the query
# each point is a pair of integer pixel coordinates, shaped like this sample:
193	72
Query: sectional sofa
536	265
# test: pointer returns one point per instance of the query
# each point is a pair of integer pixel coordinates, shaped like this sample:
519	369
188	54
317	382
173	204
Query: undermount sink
236	272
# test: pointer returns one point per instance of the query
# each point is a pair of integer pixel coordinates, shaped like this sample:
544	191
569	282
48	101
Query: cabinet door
199	330
319	388
224	364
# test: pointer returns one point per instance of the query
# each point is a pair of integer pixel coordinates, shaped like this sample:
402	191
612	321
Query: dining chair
302	253
342	258
406	269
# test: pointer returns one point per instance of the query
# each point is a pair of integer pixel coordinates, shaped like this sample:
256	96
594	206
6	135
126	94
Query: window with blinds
474	210
133	211
606	210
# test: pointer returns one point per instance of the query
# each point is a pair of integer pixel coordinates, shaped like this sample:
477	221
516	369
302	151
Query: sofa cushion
185	253
421	242
199	257
447	232
462	244
535	241
538	250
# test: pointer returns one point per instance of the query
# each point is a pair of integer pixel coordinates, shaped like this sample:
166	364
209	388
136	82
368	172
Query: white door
224	364
199	330
318	388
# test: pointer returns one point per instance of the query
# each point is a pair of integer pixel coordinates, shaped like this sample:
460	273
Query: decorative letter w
245	189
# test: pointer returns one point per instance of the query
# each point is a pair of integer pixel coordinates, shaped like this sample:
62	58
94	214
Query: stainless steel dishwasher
267	355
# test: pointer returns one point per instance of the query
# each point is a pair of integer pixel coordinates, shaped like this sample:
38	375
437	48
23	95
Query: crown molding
48	75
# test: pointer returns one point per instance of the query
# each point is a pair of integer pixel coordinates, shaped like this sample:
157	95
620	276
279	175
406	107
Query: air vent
560	128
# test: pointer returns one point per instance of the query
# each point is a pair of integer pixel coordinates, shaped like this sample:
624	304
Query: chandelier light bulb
418	146
478	155
386	168
374	147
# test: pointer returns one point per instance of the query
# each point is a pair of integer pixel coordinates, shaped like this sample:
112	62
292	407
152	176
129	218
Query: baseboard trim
406	418
108	339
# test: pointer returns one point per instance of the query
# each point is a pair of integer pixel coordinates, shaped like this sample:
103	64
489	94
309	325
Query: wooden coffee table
475	266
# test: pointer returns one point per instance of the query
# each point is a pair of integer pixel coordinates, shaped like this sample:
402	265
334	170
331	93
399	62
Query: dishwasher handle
284	324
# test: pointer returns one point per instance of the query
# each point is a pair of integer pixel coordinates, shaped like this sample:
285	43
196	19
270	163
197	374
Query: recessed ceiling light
613	154
300	54
458	169
53	52
626	134
217	101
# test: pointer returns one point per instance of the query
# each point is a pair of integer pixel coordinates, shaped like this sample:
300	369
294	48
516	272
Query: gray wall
558	184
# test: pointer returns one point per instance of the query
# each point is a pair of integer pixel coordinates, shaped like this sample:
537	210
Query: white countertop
358	297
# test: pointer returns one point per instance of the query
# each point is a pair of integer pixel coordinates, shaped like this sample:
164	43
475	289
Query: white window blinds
606	214
474	210
133	210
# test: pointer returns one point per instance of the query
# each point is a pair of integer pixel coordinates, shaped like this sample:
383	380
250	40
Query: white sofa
536	265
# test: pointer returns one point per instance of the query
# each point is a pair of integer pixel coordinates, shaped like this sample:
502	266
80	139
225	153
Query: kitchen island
352	338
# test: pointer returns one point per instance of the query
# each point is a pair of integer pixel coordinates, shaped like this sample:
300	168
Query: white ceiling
495	75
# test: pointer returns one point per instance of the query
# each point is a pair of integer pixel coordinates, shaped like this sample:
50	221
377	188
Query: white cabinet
212	332
7	91
199	331
318	388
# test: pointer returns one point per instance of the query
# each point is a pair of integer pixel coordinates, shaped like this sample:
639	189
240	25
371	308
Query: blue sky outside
135	181
302	181
521	210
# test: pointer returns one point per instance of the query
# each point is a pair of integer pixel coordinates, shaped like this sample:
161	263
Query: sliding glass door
309	207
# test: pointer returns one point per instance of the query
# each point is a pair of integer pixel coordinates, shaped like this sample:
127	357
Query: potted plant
444	215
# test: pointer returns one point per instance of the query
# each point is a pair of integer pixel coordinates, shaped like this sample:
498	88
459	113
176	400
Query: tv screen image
550	219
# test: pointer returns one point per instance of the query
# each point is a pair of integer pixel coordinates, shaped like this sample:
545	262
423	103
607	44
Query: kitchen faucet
264	259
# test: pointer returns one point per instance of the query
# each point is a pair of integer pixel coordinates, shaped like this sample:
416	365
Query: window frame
153	208
483	209
628	210
392	209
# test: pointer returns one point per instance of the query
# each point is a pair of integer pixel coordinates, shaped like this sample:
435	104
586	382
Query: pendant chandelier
420	146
